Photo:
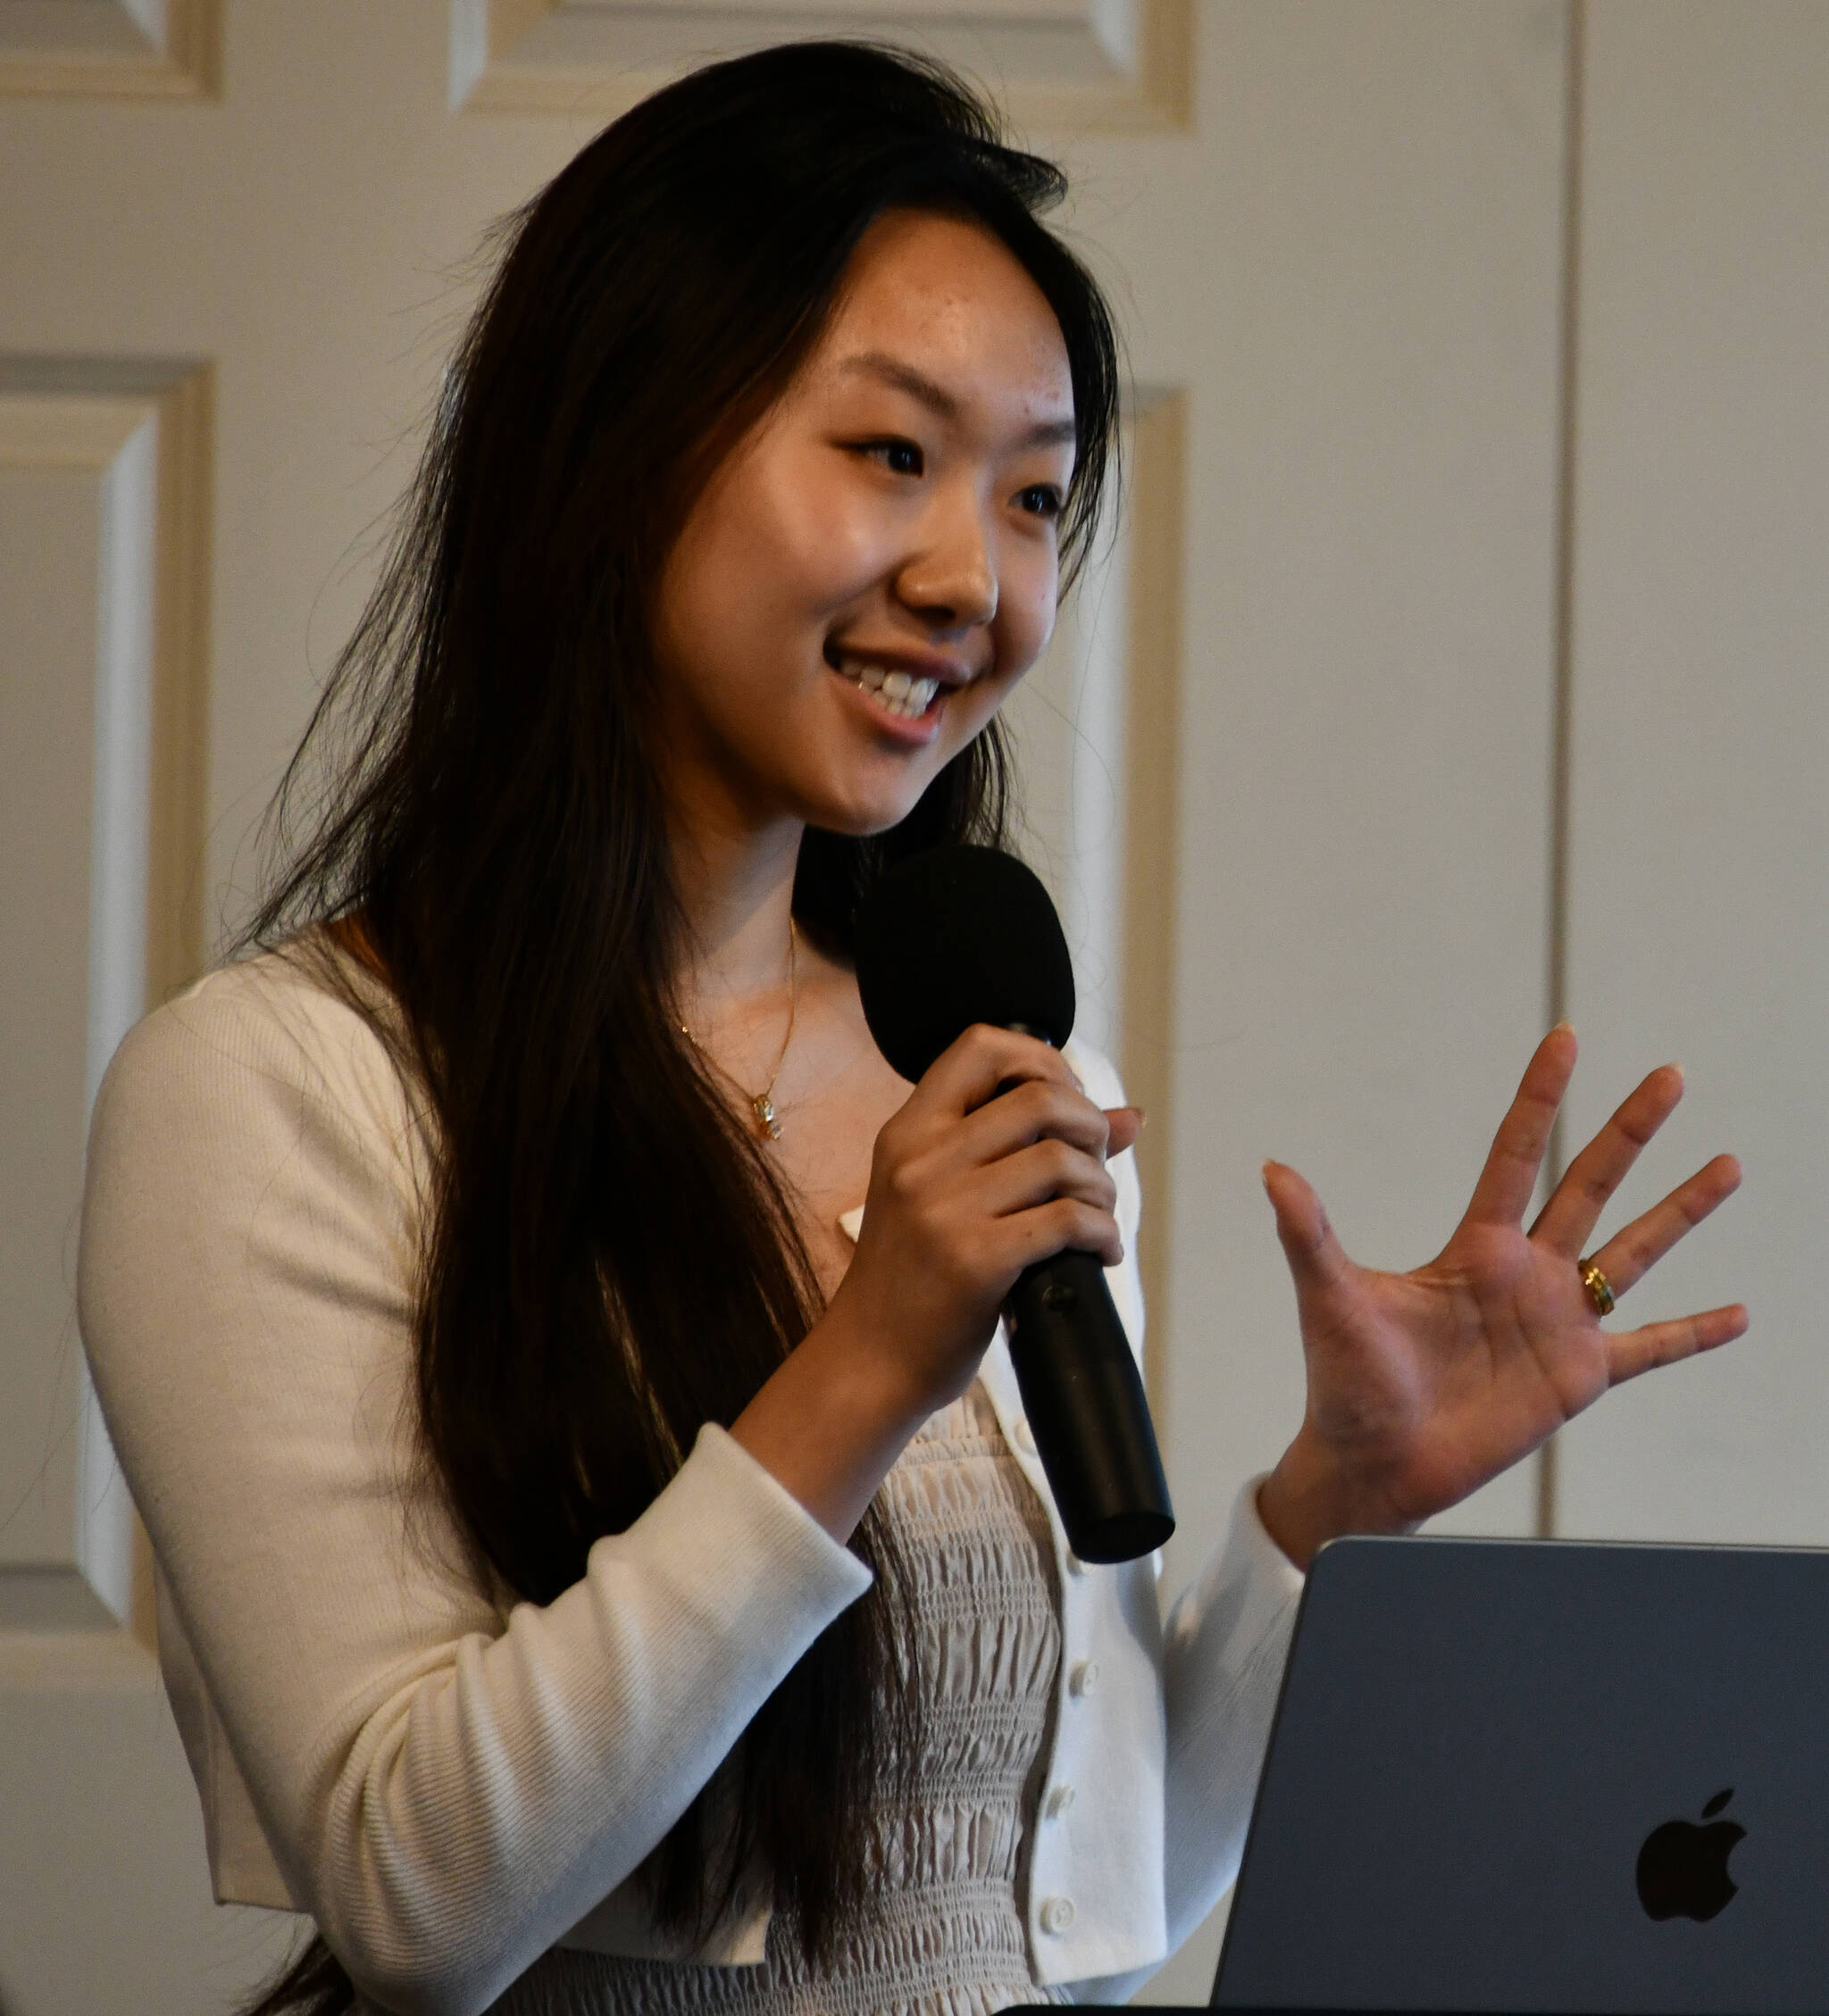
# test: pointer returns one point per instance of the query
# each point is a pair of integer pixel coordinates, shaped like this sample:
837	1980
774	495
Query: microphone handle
1086	1407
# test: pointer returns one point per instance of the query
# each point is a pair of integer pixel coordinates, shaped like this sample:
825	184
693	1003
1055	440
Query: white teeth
895	692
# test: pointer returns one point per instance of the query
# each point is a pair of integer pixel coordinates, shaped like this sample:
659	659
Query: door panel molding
1097	727
1116	66
112	49
1152	829
117	454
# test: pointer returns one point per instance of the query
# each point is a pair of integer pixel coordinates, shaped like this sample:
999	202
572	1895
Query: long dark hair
610	1261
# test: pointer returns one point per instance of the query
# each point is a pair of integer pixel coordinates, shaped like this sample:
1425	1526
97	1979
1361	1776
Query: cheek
1027	605
813	547
766	550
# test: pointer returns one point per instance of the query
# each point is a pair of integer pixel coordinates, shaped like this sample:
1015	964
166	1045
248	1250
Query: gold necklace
762	1104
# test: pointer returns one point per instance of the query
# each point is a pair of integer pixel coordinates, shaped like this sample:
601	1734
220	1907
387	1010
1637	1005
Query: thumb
1314	1255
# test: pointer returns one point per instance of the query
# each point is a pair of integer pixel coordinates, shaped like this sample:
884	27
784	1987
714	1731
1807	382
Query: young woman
598	1571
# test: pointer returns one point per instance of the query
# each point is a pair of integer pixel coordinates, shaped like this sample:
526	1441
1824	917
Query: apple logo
1682	1867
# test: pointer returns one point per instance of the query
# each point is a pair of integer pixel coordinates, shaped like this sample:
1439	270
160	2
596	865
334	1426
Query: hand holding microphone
961	936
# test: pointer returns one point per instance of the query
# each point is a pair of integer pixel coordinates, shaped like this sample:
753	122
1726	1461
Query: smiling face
874	566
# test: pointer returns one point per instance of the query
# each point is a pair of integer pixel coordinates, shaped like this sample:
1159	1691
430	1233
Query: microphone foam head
956	936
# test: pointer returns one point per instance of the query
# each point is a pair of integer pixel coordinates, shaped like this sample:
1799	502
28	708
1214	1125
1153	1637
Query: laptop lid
1544	1776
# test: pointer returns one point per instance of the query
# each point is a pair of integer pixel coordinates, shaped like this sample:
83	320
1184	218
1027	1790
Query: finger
1591	1179
968	1072
1062	1225
1036	1174
1634	1351
1316	1257
1034	1112
1510	1175
1123	1124
1631	1254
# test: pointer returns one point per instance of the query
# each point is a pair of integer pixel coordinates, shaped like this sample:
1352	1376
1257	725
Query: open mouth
895	692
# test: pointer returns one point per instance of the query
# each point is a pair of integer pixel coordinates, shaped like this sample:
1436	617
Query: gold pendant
766	1120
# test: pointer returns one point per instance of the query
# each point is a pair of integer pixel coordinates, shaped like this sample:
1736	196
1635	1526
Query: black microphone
962	935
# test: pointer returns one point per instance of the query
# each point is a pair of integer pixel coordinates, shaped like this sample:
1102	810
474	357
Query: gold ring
1599	1288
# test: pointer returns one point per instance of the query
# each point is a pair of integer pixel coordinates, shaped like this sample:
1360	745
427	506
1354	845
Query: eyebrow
917	385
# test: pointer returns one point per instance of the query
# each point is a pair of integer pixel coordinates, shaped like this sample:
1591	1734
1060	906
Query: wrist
866	1392
830	1423
1314	1494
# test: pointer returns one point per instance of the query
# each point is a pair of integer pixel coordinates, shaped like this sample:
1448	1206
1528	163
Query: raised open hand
1423	1386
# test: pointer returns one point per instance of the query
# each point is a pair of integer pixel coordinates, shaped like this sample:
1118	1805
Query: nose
951	582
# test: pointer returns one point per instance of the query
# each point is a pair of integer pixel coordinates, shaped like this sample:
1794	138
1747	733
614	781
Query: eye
900	457
1041	500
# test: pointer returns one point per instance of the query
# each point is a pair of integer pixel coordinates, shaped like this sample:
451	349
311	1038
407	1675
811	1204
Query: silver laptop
1544	1777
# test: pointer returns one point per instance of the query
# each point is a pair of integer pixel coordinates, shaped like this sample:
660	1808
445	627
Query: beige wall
1700	739
1317	698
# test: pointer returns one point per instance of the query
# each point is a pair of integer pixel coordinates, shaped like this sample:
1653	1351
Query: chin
859	825
863	813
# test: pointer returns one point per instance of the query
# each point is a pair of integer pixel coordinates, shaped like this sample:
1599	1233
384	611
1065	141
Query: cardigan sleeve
447	1790
1224	1648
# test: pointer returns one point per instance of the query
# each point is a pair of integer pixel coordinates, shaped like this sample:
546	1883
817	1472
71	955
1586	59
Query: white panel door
1314	910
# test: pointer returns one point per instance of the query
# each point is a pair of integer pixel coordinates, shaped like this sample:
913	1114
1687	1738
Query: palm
1422	1385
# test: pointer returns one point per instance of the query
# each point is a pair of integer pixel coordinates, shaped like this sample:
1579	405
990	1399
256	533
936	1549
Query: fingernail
1142	1118
1564	1024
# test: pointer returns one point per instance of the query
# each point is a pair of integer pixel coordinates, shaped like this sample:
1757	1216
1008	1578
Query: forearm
483	1805
830	1422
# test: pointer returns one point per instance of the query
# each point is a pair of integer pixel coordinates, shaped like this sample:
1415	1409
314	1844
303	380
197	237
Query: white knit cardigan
449	1790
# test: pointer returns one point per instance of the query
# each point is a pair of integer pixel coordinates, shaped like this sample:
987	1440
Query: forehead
949	301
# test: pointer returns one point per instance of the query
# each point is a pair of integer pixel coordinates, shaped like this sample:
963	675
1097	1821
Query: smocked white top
451	1787
950	1939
